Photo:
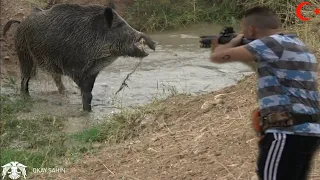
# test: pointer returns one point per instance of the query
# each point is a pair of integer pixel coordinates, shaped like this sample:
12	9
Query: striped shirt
287	80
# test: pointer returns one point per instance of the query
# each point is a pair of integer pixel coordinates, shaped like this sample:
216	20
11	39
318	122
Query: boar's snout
139	45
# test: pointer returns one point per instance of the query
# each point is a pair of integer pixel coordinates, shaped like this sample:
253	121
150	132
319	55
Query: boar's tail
8	25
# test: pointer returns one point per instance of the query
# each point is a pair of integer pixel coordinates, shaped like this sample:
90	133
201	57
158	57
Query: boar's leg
27	70
86	85
24	91
58	82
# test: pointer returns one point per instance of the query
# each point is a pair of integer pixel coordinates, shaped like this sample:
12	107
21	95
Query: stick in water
124	81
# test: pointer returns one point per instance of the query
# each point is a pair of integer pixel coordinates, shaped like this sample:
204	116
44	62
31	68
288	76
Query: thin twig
226	169
240	176
239	112
124	81
108	169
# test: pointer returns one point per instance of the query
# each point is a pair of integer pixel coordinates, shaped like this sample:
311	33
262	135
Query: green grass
38	3
37	142
119	127
30	159
172	14
40	141
33	141
89	135
30	141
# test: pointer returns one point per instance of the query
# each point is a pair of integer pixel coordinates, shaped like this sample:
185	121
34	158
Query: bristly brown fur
76	41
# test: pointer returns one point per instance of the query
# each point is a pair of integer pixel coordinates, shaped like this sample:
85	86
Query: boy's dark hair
262	17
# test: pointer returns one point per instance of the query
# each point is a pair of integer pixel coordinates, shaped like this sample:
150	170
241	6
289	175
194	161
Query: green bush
171	14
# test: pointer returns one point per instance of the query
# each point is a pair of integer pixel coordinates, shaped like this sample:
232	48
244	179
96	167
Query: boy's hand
233	43
236	41
231	52
214	43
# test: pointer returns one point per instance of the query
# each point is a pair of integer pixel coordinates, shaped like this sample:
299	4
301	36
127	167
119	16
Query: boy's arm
237	54
223	54
248	54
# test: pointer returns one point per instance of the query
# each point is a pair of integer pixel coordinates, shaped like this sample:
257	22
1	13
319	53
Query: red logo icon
300	6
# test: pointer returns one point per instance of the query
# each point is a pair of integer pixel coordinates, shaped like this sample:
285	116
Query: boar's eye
108	14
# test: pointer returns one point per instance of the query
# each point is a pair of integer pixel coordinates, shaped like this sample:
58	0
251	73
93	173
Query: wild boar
76	41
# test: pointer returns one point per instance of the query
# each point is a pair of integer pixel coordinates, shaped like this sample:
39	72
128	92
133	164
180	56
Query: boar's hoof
87	108
25	95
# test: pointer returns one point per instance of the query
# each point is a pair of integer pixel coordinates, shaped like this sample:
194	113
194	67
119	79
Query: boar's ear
108	14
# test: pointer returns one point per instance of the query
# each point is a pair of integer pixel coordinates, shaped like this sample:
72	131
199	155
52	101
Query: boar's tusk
151	44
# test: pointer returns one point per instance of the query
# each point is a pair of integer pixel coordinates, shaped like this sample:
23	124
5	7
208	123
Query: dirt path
185	142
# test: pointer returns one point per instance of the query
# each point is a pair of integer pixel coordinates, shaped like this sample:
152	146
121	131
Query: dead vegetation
184	137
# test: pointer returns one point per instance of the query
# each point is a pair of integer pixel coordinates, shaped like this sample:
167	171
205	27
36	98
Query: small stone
210	104
207	105
219	96
6	58
199	137
199	151
219	101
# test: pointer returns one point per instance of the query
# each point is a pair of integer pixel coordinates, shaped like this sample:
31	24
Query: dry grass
308	31
184	140
285	8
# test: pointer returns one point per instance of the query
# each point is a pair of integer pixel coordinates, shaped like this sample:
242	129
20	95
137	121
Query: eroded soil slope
185	141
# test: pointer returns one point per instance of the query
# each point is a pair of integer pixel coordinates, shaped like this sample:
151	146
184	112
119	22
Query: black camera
224	37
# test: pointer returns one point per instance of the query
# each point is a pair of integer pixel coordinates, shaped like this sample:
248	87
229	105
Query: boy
287	92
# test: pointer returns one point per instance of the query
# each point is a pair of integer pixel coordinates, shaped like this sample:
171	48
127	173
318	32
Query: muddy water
177	65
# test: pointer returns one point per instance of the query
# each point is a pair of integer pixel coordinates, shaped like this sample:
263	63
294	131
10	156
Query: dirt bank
185	141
